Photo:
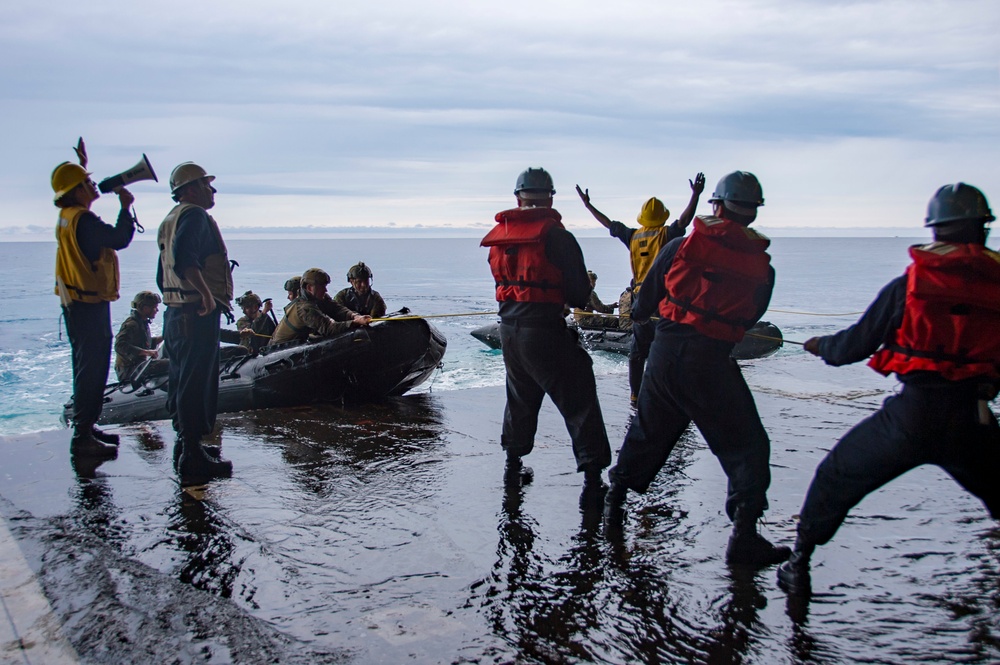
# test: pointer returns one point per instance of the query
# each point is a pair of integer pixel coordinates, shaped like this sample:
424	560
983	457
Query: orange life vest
711	283
951	320
517	256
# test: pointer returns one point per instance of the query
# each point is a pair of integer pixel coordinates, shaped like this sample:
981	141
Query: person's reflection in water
95	510
802	645
511	592
205	538
734	640
545	608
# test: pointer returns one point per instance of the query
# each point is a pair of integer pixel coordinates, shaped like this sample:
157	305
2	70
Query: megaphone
141	171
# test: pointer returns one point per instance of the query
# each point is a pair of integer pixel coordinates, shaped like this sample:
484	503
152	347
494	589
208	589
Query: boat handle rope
617	316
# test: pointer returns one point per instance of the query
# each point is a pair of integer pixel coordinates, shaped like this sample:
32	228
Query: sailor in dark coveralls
708	289
538	268
938	328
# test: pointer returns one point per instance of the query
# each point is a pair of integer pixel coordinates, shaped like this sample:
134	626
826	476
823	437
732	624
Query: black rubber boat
386	359
615	340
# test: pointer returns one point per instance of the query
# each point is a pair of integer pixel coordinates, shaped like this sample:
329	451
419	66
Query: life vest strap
709	315
909	352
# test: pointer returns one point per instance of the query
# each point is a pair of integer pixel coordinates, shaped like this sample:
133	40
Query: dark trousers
924	424
192	344
642	340
551	361
88	326
693	379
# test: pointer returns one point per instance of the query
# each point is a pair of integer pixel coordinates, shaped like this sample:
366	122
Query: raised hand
81	152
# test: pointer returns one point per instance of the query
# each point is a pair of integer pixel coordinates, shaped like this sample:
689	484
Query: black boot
594	489
515	473
747	547
793	575
614	510
195	467
105	437
84	444
215	452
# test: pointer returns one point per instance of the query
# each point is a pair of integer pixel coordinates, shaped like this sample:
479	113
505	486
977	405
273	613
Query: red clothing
951	317
712	280
521	269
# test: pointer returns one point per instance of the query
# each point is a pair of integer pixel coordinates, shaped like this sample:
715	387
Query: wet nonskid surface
382	533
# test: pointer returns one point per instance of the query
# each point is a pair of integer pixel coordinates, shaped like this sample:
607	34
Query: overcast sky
423	113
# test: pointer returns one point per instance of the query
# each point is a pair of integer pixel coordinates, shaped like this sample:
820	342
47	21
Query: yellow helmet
66	177
653	213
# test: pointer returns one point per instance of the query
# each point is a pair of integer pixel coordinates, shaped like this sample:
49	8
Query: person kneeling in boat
315	313
586	317
255	327
134	343
360	297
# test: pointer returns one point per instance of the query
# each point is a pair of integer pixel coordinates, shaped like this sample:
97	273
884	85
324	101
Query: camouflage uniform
306	316
372	306
590	321
262	325
132	337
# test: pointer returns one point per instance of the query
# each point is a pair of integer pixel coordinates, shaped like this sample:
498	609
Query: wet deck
383	534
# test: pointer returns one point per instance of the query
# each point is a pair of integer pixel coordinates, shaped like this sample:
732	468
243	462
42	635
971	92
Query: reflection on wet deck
382	533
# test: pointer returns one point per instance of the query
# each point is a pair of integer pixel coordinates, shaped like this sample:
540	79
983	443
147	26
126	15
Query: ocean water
822	283
383	532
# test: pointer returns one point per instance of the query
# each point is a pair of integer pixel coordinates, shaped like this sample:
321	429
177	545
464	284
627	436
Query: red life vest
517	256
714	275
951	320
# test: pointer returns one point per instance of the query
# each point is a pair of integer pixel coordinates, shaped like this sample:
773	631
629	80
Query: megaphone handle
138	226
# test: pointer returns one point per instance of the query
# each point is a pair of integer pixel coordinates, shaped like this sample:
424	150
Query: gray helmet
145	298
315	276
293	284
739	187
535	181
248	298
958	203
185	173
359	271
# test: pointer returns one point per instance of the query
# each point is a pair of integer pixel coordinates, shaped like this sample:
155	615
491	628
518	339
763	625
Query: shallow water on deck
382	533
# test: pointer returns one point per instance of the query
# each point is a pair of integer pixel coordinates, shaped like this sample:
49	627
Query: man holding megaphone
87	281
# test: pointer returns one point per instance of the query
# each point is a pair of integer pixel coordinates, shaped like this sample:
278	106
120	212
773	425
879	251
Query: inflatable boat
760	341
385	359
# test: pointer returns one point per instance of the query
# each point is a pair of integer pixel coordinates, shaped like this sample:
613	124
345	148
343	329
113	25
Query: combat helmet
248	298
145	298
315	276
360	271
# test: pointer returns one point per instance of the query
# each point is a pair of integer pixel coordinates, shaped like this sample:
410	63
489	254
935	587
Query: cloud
365	109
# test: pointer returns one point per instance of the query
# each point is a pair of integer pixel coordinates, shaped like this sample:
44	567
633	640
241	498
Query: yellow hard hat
66	177
653	213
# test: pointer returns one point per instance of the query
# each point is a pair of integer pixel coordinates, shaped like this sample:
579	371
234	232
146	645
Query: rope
432	316
788	311
774	339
